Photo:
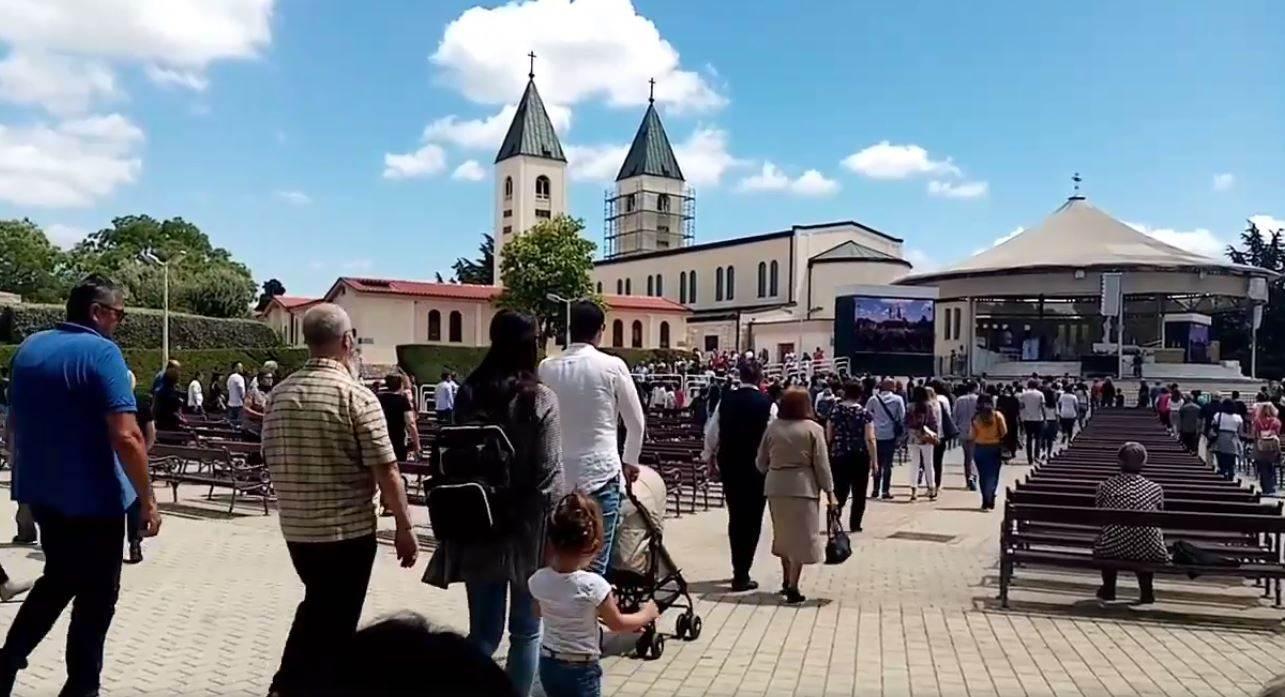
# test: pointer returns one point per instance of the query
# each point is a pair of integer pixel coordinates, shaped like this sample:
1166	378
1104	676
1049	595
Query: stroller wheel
643	646
657	646
694	628
683	626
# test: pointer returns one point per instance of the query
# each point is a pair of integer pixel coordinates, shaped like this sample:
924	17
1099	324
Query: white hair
325	324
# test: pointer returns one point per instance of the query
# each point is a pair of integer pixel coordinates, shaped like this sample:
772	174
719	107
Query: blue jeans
885	451
486	612
988	466
234	415
565	679
1226	465
608	498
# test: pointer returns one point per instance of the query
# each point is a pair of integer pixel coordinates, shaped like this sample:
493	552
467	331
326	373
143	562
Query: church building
772	290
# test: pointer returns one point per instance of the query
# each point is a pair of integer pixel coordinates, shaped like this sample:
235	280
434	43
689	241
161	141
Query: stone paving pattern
208	612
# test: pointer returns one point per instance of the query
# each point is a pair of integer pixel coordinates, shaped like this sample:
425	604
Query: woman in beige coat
793	456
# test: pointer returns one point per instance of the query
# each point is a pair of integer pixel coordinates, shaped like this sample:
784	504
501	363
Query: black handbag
838	547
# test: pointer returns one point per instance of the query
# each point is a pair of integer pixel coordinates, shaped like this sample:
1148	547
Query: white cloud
73	163
887	161
428	160
1267	224
59	84
598	163
1198	241
175	33
294	198
65	236
1224	181
967	189
170	77
922	262
771	178
586	50
469	171
486	133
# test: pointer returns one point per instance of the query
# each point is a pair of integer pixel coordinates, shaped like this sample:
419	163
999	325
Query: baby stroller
641	568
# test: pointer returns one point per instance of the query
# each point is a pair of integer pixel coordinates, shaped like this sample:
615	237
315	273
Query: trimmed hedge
146	362
142	328
427	361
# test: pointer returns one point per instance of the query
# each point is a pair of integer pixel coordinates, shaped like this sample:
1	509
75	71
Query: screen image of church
772	290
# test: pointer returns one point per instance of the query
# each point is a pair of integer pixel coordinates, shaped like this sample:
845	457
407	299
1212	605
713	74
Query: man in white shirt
1068	412
195	397
595	391
236	393
1032	401
444	398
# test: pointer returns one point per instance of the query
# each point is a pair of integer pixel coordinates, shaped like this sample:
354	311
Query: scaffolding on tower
648	217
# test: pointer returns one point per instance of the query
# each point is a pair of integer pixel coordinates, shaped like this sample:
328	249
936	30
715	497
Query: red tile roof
460	291
291	302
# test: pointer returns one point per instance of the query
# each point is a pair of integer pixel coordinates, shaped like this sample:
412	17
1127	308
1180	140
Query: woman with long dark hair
925	432
504	390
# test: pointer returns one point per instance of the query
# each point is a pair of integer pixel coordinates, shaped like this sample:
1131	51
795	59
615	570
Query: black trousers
1034	431
939	454
1146	581
335	577
851	471
745	504
82	567
1190	441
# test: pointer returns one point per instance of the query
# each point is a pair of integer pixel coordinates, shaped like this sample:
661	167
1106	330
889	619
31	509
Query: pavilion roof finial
1076	196
531	72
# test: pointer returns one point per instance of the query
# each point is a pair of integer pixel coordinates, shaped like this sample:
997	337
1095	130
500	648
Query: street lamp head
147	256
556	298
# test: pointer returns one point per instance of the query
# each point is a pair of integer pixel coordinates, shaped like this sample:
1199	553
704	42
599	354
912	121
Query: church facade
772	290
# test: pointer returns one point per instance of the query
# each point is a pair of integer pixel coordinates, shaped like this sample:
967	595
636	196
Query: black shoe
794	597
744	584
135	553
19	540
972	485
854	526
1103	594
1147	599
887	497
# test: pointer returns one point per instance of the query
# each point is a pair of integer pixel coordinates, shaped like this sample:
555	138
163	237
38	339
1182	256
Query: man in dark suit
731	444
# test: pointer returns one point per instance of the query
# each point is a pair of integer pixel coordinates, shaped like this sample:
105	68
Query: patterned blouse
849	423
1131	492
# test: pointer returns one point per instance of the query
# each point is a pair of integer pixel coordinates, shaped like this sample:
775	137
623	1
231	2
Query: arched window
599	287
772	276
434	325
635	334
620	287
731	283
617	333
691	286
651	286
664	335
508	187
542	187
629	286
660	286
630	202
682	287
662	203
762	279
718	284
456	328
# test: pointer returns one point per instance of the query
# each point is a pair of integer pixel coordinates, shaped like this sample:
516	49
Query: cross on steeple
651	95
1076	179
531	73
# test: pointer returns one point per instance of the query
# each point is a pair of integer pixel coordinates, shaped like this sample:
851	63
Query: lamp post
554	297
151	258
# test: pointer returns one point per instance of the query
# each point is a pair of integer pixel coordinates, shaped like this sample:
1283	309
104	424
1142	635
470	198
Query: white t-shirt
194	396
569	606
1032	405
1068	406
236	390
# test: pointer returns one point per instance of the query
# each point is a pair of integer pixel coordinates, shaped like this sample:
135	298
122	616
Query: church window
542	213
762	279
629	286
718	284
682	287
660	286
508	229
731	283
620	287
664	335
635	334
662	243
691	286
617	333
434	325
542	187
508	212
508	187
663	228
456	327
630	201
662	203
600	287
651	286
772	277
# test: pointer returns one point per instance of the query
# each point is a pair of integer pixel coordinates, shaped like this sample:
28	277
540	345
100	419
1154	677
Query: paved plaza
909	614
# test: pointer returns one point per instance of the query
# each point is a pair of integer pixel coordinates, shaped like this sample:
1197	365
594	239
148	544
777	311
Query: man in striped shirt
326	443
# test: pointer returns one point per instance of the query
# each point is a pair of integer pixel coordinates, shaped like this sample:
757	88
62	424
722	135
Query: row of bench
1050	520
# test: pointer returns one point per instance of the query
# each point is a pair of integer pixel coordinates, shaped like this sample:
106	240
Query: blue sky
271	124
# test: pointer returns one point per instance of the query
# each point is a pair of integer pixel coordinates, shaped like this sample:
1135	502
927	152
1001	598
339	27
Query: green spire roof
650	152
531	132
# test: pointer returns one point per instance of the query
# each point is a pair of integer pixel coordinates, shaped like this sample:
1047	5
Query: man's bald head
324	327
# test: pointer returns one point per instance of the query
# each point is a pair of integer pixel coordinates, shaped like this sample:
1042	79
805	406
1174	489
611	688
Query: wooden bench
215	467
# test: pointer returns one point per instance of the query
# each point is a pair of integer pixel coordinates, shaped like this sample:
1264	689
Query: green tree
551	257
480	272
271	289
30	265
1264	249
196	266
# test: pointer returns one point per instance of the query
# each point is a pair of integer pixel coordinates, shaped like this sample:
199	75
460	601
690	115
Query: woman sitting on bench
1130	491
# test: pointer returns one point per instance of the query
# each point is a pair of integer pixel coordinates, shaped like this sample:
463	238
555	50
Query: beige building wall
773	335
640	224
381	322
827	277
517	213
279	319
475	321
743	259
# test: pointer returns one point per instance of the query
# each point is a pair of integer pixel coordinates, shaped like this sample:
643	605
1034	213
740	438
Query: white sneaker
12	589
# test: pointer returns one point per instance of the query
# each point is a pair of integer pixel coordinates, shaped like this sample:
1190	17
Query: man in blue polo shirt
79	459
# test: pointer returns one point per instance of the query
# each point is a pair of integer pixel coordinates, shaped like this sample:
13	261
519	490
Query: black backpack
470	496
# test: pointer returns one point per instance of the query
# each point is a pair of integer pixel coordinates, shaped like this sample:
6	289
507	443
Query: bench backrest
1172	520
